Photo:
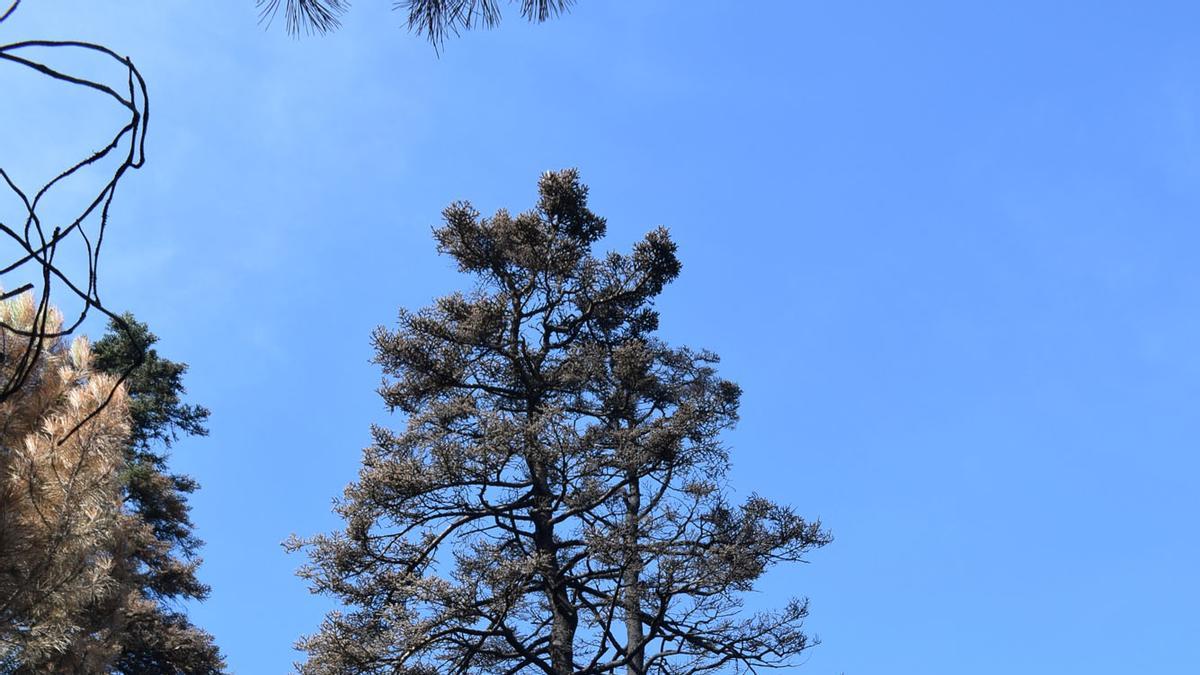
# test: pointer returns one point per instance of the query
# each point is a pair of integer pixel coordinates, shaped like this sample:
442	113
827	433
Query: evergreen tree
96	544
556	502
158	637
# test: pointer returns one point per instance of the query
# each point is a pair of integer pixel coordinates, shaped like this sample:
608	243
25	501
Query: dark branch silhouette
433	19
37	243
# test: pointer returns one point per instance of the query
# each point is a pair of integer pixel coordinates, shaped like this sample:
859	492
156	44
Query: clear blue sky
950	253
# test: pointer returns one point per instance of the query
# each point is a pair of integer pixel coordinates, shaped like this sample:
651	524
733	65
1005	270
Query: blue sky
950	253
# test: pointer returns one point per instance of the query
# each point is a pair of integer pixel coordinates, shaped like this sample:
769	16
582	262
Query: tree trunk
631	602
564	616
563	613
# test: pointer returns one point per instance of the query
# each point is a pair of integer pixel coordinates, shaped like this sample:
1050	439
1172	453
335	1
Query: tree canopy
557	499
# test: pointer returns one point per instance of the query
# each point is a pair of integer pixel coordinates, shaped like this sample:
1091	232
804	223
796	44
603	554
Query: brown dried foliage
63	537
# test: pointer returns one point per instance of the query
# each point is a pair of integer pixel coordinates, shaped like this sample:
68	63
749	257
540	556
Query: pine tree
435	19
556	502
675	554
62	530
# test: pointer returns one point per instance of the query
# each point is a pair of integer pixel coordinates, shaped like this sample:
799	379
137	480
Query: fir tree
158	637
556	502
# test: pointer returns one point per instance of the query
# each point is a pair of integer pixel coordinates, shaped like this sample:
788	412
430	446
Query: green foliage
159	639
155	387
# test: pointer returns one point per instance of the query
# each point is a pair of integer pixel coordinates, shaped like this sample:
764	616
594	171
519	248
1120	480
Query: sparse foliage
556	502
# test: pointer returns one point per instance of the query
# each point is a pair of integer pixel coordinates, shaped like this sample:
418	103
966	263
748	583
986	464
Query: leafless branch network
38	242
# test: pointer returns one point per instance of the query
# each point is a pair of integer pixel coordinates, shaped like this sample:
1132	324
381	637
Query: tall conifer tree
158	636
556	502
